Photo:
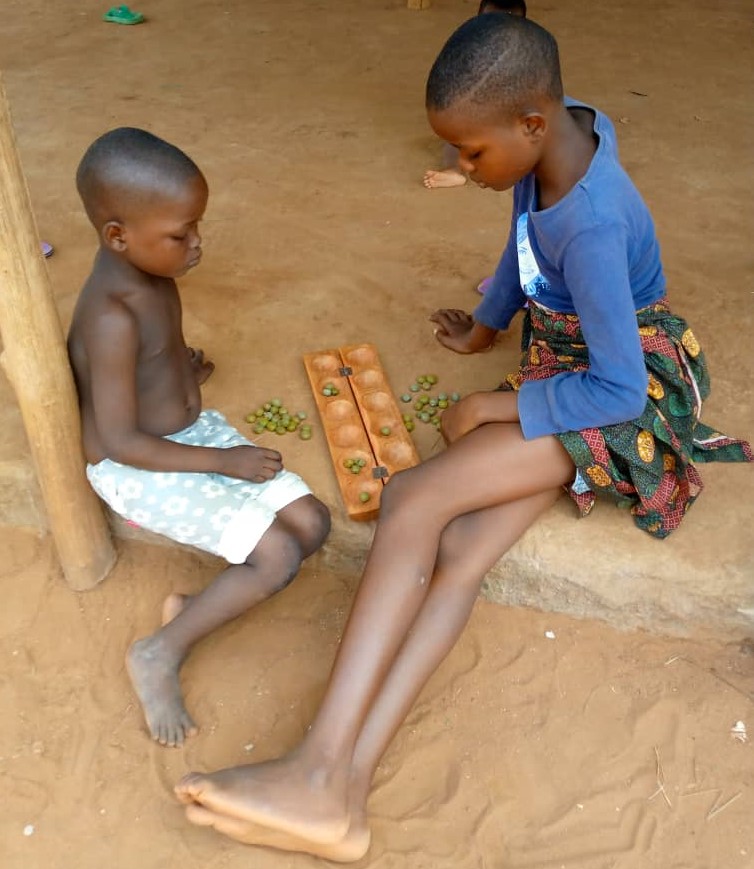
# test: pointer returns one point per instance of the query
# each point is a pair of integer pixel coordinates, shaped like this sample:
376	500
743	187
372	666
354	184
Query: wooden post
36	363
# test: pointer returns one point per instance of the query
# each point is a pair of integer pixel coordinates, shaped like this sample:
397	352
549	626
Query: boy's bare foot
443	178
154	676
277	795
353	846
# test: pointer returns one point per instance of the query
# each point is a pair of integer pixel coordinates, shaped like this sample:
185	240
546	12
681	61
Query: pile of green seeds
274	416
330	389
354	465
427	408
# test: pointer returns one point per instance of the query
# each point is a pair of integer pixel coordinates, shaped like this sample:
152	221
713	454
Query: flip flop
47	249
122	15
484	285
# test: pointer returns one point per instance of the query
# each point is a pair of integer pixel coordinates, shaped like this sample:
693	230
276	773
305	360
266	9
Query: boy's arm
113	348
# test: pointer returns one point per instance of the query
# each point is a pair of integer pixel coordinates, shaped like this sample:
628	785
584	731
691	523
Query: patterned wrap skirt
646	465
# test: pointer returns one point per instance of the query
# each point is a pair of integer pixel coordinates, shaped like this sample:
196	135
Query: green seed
301	414
362	462
355	469
424	416
275	402
431	379
426	385
291	426
305	434
455	396
280	430
406	397
414	387
410	425
327	391
259	428
443	396
385	431
267	406
442	404
364	497
433	402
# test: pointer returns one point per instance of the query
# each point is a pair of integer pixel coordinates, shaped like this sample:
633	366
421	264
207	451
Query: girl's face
494	154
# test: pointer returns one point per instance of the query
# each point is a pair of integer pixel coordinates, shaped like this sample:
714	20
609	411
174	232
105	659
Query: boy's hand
458	331
202	367
256	464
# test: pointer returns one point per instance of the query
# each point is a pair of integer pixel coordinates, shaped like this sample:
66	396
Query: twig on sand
715	809
660	779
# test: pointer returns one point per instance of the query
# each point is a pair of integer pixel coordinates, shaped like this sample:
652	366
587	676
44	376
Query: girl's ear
535	125
113	236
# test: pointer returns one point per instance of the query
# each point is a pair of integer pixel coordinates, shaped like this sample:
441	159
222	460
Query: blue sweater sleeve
504	295
614	388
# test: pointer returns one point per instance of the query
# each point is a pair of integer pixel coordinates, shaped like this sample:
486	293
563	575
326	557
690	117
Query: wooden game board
354	420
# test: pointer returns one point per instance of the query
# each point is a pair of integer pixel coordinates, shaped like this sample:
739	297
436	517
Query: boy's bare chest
160	331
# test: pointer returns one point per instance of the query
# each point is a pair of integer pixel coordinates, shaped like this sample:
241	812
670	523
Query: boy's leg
154	662
470	546
306	792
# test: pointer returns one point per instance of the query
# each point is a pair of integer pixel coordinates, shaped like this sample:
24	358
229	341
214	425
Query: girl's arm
614	387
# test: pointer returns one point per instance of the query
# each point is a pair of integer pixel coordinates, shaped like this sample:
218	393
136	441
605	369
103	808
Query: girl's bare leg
470	546
306	792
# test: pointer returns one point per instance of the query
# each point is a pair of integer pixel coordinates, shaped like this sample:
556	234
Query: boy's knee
319	525
280	553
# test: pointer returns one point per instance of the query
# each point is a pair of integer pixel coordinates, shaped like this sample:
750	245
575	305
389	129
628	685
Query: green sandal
122	15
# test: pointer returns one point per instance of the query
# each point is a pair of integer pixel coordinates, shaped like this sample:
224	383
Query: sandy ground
307	119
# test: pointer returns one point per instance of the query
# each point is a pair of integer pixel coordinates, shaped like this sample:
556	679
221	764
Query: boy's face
493	153
164	238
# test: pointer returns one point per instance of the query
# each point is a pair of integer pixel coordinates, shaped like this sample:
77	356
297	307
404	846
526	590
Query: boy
619	402
153	455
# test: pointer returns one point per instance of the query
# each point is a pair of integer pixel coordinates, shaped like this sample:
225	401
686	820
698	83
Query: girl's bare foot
353	846
279	795
435	178
154	676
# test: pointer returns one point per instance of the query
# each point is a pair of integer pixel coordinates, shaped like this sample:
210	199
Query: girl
606	401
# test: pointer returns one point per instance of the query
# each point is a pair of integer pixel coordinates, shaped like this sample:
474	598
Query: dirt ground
590	750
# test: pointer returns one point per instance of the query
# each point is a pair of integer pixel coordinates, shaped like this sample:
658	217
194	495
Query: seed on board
364	497
414	387
406	397
385	431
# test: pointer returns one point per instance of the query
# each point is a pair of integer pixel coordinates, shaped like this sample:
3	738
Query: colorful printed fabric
647	464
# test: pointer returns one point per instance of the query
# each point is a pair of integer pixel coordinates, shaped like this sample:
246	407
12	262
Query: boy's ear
113	236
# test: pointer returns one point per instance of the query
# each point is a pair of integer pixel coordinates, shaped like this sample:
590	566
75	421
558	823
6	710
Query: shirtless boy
153	455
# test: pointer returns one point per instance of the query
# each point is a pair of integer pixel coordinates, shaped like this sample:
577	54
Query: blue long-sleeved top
597	256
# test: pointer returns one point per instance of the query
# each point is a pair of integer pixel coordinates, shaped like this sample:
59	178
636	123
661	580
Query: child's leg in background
154	662
306	793
449	175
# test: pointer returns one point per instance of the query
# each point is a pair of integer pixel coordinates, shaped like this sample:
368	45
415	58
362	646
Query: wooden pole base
36	363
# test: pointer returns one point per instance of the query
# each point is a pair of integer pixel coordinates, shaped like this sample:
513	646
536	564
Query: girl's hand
454	329
459	332
459	419
476	409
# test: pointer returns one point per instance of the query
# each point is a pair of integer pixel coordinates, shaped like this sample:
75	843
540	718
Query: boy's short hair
498	63
512	7
129	164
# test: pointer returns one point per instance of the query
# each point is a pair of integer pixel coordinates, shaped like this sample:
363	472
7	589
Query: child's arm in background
112	347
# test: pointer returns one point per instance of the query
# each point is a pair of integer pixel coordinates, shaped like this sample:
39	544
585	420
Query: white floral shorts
218	514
